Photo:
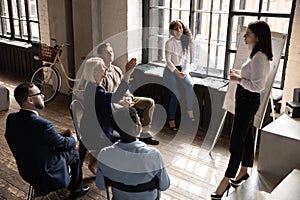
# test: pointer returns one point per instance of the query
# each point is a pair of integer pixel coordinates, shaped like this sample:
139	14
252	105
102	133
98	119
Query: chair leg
30	193
107	193
158	194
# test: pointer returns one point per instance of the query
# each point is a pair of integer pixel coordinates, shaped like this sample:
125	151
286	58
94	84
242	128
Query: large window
19	20
216	26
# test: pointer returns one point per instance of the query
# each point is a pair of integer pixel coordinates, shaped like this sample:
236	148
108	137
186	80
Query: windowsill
156	70
15	43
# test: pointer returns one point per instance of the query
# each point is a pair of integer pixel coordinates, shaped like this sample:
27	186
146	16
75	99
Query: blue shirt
132	164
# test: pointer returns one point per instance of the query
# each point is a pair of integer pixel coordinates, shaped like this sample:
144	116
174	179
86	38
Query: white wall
135	29
292	78
57	30
44	21
82	26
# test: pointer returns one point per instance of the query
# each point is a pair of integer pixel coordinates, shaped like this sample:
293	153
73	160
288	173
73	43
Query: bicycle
48	77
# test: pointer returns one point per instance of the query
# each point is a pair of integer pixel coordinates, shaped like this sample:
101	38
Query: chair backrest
76	111
151	185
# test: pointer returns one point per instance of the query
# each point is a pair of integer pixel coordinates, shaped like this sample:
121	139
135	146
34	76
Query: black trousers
242	136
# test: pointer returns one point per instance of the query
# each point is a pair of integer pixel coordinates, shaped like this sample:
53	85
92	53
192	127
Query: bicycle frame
57	60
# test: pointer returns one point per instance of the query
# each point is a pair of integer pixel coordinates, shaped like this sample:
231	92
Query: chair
151	185
76	111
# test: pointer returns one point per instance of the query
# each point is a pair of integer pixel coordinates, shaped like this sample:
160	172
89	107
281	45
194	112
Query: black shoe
75	195
236	183
215	196
149	140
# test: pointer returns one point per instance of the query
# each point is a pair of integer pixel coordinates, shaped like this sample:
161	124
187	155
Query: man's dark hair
124	119
22	91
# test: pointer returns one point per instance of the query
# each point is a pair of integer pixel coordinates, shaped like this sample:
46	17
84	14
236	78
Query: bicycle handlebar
60	46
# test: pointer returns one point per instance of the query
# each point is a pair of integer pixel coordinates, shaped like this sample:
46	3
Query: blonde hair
89	68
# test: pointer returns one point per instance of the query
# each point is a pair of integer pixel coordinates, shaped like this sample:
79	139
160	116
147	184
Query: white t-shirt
174	55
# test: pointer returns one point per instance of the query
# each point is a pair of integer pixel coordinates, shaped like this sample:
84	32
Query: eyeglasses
37	94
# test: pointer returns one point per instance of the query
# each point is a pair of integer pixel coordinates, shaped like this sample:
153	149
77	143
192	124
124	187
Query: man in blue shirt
130	161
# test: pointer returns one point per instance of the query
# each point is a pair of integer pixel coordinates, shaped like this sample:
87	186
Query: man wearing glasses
42	154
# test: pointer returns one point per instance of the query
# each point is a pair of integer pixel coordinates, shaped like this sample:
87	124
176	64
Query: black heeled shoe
215	196
236	183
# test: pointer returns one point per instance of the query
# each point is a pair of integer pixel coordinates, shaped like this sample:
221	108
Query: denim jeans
180	89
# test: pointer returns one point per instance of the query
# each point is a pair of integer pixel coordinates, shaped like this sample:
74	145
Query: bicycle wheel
48	80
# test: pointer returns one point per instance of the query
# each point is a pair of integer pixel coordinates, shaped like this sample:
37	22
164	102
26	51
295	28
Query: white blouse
174	55
255	72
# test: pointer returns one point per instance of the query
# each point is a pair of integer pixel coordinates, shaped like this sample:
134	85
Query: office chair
151	185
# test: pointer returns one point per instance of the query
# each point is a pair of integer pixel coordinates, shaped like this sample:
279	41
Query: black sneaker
149	140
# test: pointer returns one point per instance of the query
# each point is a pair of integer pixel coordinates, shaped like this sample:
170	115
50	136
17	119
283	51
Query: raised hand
130	65
129	69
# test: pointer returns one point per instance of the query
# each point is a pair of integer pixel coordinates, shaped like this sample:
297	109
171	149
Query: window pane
202	24
221	6
4	9
280	25
24	29
277	80
180	4
34	31
32	10
160	19
22	10
203	5
7	29
246	5
156	48
15	9
279	6
239	23
17	28
201	58
182	15
159	3
219	27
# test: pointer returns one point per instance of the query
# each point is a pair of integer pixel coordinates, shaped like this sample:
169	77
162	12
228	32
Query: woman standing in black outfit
251	81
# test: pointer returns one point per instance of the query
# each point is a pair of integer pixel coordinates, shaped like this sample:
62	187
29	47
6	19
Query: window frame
231	14
28	38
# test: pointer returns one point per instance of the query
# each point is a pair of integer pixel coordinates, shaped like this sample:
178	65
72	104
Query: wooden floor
194	174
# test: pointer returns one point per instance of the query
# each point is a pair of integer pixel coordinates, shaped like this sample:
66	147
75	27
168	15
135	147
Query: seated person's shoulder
149	150
42	120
